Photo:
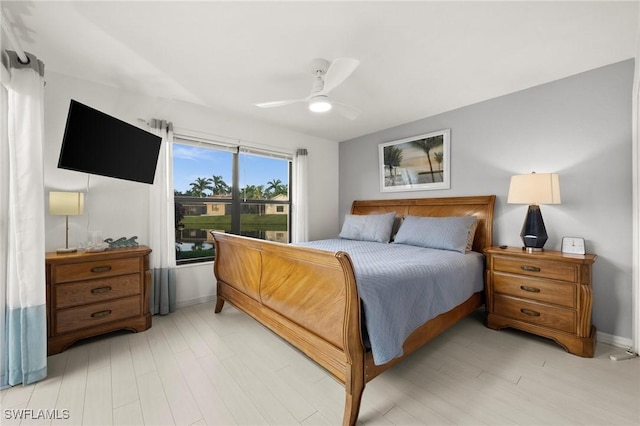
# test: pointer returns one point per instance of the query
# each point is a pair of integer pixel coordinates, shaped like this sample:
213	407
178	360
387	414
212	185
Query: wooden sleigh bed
309	297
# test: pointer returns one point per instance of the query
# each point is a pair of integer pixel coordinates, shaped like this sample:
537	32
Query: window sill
194	263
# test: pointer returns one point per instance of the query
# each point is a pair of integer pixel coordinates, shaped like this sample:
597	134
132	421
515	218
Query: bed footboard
306	296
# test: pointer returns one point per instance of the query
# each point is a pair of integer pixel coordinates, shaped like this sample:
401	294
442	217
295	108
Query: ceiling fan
327	76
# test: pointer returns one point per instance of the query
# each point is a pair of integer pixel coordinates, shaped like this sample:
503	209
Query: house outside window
237	190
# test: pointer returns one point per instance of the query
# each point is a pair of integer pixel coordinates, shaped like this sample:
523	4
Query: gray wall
578	127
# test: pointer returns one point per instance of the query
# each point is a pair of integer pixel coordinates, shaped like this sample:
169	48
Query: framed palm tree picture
417	163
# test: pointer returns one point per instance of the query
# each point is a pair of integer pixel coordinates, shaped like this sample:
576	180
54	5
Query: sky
191	162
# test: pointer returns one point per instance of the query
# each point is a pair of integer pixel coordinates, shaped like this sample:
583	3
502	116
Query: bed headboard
480	206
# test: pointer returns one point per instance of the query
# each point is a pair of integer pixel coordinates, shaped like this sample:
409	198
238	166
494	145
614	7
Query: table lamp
534	189
67	204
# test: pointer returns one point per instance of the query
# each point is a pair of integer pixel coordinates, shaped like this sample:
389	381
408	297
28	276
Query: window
238	190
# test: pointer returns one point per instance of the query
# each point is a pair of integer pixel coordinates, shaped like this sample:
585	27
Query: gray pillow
368	227
445	233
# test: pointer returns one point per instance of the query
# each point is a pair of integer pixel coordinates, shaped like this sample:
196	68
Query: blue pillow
368	227
445	233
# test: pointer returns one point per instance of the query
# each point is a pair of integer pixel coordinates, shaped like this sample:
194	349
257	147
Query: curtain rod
6	25
224	140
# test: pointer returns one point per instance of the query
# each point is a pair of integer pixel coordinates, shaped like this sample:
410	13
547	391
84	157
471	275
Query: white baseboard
196	301
609	339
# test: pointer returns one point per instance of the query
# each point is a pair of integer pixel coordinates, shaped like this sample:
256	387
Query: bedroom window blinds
225	187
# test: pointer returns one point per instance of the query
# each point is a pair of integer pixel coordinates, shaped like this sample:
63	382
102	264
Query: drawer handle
530	268
530	312
101	314
101	268
101	290
530	289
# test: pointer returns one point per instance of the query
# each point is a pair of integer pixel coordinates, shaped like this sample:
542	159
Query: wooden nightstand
546	293
94	293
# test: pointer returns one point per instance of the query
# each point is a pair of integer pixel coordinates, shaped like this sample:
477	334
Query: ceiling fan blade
274	104
347	111
338	71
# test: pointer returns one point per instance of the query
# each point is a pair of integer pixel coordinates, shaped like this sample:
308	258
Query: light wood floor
195	367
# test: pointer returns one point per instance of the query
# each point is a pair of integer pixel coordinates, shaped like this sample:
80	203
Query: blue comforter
402	286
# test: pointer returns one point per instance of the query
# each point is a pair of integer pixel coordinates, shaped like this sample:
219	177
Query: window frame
236	201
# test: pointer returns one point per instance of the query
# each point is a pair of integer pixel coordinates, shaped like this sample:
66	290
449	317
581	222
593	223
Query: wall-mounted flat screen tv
100	144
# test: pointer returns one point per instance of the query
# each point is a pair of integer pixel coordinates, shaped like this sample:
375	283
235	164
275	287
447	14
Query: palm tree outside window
226	189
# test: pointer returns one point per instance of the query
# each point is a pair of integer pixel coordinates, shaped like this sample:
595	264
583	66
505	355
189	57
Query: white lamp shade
534	188
66	203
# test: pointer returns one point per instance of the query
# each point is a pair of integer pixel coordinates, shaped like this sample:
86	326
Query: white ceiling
417	58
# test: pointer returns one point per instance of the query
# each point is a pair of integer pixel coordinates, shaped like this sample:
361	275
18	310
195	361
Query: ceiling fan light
319	104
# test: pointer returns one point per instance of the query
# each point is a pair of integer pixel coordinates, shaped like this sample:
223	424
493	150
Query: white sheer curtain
161	226
300	198
22	271
635	123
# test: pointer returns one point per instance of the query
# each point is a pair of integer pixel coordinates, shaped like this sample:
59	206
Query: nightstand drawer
99	269
99	313
93	291
536	268
535	289
535	313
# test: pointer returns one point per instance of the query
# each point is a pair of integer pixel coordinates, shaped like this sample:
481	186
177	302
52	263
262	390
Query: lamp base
66	250
532	249
534	233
